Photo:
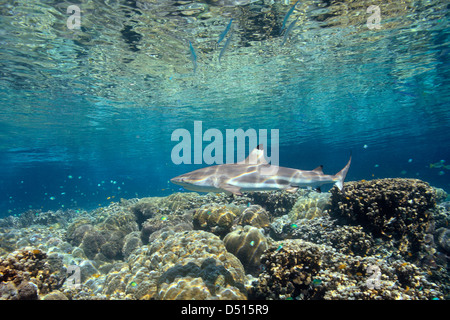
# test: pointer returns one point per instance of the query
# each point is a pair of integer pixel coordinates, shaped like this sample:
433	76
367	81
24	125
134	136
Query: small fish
288	31
317	282
224	33
440	165
225	46
286	17
193	56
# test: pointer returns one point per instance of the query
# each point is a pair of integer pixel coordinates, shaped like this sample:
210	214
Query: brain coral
256	216
247	243
397	208
215	218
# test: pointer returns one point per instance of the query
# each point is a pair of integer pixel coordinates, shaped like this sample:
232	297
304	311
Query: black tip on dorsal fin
319	169
260	147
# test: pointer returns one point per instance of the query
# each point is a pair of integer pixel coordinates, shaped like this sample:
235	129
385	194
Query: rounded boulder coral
248	244
256	216
216	219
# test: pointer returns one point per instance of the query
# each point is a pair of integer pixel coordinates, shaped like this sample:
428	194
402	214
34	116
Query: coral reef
161	270
310	205
324	230
277	203
152	227
443	239
393	208
38	217
441	195
247	243
289	269
383	239
132	241
216	219
208	281
104	236
146	208
254	215
296	269
28	273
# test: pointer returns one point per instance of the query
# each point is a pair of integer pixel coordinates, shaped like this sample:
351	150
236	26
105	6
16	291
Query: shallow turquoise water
87	114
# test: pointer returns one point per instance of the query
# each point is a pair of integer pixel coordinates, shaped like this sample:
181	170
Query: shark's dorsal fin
256	156
319	169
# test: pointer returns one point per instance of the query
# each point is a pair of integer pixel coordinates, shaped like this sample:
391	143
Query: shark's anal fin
233	189
292	189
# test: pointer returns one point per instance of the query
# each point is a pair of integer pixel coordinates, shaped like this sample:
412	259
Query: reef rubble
381	239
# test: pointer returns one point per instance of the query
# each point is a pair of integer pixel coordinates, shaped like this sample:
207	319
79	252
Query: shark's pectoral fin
233	189
292	189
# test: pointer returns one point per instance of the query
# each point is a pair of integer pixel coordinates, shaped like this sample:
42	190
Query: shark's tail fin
340	176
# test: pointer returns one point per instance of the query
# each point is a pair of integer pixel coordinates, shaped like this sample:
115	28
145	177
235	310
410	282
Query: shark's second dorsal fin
319	169
256	156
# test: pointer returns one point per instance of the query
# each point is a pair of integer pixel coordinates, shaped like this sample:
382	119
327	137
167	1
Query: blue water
86	115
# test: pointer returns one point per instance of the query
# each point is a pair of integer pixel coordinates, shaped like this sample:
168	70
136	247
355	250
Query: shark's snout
177	180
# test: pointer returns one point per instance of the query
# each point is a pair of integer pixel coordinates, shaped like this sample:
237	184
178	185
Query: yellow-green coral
256	216
215	218
310	206
248	244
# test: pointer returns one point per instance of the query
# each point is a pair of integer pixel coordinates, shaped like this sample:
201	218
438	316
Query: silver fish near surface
193	56
225	46
224	33
286	17
255	174
288	31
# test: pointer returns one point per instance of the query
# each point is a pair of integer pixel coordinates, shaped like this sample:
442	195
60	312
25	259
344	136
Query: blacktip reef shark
256	174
